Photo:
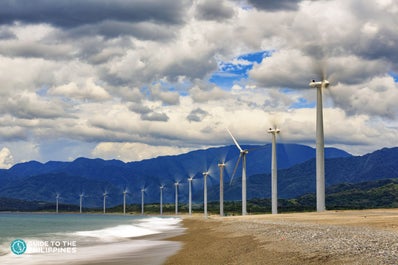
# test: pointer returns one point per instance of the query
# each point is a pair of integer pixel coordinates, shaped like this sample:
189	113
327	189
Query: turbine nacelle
274	131
319	84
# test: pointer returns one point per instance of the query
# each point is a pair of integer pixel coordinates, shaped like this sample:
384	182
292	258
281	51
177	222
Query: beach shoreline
115	240
330	237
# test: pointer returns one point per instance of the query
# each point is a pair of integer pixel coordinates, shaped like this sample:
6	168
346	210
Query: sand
331	237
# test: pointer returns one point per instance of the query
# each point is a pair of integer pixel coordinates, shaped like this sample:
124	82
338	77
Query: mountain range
35	181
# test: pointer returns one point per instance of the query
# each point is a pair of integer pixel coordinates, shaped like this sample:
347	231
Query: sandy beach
331	237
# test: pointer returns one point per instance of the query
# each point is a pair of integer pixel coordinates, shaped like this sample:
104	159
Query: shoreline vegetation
330	237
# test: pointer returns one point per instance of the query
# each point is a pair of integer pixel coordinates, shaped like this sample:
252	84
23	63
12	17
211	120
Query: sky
136	79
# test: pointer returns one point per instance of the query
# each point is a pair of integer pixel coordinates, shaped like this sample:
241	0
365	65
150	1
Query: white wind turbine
142	201
56	202
176	184
125	191
161	199
81	201
274	172
105	194
242	156
190	179
320	144
205	174
221	166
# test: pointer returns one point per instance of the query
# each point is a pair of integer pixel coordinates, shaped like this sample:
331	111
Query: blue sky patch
233	71
394	75
302	103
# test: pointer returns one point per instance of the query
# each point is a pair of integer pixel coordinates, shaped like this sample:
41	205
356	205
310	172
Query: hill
41	181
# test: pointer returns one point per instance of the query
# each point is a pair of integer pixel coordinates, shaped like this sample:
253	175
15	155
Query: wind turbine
205	174
105	194
320	145
125	191
221	166
242	156
161	199
190	179
81	201
56	200
142	201
176	184
274	172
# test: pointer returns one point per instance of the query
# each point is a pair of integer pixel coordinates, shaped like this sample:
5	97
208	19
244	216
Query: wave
141	227
105	244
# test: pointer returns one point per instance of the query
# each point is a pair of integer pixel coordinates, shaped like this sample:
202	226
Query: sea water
86	238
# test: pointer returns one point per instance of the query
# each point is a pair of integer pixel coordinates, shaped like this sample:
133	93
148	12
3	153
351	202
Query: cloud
197	115
134	151
275	5
202	94
74	13
274	72
377	97
89	90
6	159
27	105
154	116
210	10
6	34
166	97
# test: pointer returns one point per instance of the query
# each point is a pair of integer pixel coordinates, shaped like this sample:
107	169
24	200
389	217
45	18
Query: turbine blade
236	142
236	167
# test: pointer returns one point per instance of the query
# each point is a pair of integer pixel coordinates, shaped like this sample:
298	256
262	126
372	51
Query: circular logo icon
18	246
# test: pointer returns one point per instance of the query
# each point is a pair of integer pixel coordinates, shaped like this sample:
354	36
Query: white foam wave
144	227
105	244
133	252
117	232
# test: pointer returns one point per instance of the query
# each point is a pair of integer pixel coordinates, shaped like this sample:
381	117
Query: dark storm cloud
213	10
275	5
75	13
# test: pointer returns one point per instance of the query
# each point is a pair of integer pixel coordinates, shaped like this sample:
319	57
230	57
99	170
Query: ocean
45	238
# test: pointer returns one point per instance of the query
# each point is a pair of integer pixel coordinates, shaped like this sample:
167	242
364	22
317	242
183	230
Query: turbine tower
205	174
176	196
56	202
221	166
242	156
274	172
190	195
81	201
105	194
142	201
320	145
124	200
161	199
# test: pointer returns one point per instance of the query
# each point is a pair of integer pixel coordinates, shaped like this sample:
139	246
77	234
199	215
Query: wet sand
331	237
